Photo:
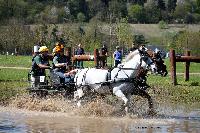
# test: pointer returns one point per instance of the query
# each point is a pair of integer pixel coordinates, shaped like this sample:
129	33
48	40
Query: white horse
119	81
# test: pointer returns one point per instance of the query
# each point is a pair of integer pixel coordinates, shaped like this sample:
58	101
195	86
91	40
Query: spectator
104	54
117	56
80	51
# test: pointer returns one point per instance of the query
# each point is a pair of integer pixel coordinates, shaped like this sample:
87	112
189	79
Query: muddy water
176	118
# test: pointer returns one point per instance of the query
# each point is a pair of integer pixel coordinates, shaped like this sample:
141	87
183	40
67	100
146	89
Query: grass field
185	92
15	61
13	74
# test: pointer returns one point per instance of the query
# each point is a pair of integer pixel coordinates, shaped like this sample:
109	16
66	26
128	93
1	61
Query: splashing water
100	107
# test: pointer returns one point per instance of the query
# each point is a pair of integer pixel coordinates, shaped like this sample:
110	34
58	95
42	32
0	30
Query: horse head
146	60
157	59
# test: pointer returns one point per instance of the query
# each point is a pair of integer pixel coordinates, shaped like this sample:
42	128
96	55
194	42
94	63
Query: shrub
163	25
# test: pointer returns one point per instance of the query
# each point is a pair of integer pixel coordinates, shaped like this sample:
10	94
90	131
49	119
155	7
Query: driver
60	64
39	64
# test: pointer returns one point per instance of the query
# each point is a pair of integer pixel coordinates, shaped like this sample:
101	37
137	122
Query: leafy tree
12	8
33	11
183	13
171	5
161	4
117	8
59	11
188	40
138	40
77	6
123	32
198	3
161	7
62	15
16	36
162	24
152	13
189	18
81	17
136	13
139	2
106	2
94	7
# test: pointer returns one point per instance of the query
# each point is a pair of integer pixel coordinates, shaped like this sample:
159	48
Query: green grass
180	66
15	61
186	92
10	90
13	74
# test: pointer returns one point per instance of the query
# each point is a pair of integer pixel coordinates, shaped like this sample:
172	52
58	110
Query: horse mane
131	55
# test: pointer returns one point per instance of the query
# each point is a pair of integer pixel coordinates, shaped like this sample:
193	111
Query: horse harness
139	81
143	54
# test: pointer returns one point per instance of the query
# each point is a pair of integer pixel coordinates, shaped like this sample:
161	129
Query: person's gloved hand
64	64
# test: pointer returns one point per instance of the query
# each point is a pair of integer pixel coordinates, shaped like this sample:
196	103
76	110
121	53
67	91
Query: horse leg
121	95
78	95
144	94
128	104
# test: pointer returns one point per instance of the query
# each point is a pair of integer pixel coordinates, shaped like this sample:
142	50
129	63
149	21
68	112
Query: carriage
53	84
50	84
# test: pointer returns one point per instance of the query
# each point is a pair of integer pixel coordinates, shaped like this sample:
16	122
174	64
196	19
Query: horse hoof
126	110
78	104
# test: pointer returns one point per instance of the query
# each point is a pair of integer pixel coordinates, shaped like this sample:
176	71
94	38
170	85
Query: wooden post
173	66
96	57
73	59
68	53
187	66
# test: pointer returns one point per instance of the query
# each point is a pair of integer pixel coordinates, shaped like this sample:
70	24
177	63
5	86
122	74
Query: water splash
96	107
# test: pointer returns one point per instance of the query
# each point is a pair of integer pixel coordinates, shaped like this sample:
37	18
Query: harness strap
84	75
77	78
125	73
121	68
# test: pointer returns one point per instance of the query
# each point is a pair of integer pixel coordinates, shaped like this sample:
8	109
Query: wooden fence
96	57
186	58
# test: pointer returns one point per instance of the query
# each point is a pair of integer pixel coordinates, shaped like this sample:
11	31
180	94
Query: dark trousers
80	64
117	62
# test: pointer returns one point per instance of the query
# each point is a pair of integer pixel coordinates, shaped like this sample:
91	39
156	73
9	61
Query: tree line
136	11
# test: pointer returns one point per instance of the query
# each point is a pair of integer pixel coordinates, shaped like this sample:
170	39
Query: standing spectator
80	51
117	56
104	54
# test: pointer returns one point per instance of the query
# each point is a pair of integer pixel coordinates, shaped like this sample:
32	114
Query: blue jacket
80	51
118	55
